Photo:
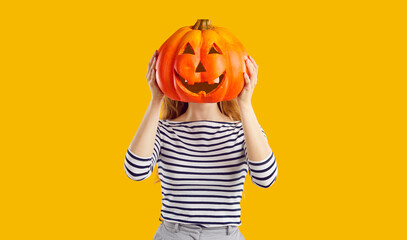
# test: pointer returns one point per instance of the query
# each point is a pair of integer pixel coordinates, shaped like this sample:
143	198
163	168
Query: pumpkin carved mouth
197	87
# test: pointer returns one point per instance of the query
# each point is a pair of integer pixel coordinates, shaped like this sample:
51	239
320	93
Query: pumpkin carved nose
200	68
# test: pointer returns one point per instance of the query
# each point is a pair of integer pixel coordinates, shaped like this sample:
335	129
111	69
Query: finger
246	80
254	72
148	76
149	73
252	80
250	67
247	62
254	62
154	62
152	65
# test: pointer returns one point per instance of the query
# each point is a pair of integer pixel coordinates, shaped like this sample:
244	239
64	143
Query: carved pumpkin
201	63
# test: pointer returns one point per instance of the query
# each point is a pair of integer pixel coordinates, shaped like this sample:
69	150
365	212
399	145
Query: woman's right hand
156	92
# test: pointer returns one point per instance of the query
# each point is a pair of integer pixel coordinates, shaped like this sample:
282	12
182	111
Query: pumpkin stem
202	24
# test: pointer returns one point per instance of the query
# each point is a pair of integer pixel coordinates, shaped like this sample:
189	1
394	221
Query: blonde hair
173	108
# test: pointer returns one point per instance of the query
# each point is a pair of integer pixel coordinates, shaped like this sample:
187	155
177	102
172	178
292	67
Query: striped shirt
202	166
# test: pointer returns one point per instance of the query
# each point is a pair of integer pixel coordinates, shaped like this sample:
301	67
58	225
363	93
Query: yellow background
330	97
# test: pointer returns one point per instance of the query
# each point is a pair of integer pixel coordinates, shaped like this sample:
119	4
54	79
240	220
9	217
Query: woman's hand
245	96
156	93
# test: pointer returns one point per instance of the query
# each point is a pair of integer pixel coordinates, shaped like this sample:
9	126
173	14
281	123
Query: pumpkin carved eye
188	49
214	49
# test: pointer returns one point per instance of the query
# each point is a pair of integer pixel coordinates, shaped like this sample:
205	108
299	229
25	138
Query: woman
203	152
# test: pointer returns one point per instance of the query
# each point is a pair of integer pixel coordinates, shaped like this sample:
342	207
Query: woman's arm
257	146
256	142
142	144
142	154
259	156
144	149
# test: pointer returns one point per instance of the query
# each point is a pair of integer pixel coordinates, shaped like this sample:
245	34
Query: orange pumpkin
201	63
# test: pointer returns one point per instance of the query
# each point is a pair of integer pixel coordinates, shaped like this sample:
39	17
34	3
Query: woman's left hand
245	96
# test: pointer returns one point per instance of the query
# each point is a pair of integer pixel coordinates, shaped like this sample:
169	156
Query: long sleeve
263	173
139	168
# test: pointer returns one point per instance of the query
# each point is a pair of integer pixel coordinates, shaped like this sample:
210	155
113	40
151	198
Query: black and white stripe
202	166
